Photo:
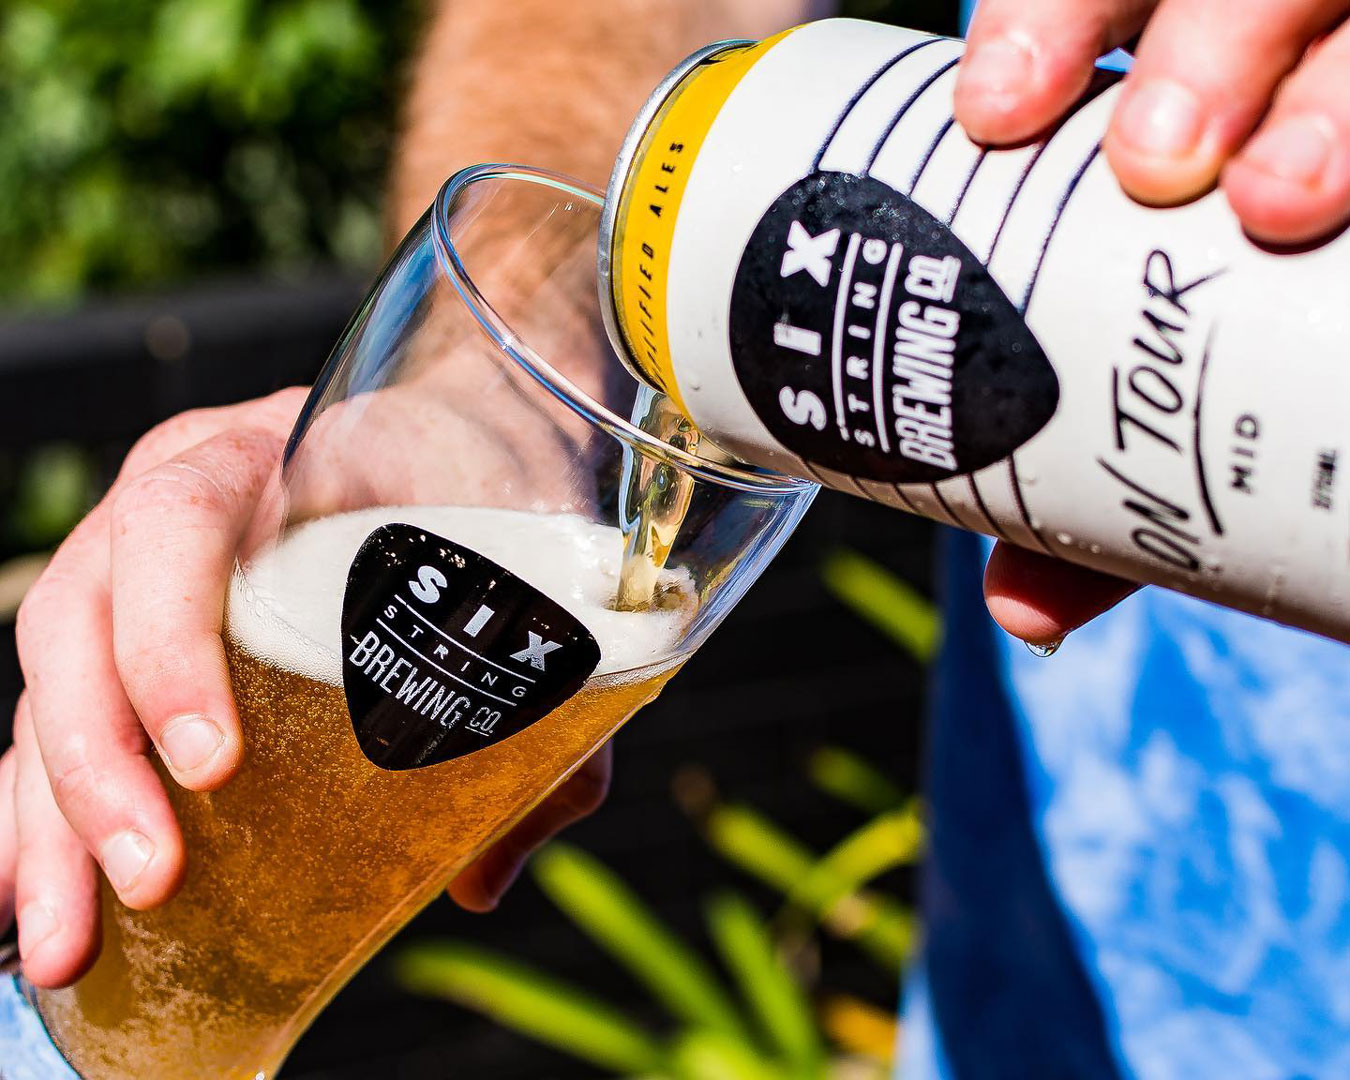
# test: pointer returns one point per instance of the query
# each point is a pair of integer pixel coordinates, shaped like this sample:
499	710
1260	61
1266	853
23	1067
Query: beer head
285	607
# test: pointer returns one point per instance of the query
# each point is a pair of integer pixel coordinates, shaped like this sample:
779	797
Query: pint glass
421	630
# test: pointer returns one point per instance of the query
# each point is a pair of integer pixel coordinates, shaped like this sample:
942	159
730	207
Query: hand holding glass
438	422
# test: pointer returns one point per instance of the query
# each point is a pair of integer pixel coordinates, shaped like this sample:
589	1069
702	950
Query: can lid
623	165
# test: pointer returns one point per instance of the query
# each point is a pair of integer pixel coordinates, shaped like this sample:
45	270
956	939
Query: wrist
551	83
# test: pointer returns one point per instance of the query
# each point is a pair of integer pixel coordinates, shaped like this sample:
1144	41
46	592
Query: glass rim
749	478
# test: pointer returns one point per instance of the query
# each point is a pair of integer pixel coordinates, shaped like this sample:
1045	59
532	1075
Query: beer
805	251
653	499
313	856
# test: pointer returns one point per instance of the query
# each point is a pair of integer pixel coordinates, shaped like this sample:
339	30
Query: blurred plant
889	603
142	140
43	493
828	890
770	1028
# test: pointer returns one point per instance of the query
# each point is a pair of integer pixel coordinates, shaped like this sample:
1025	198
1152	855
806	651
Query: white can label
1003	340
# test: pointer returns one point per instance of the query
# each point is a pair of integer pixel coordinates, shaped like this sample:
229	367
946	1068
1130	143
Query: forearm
551	83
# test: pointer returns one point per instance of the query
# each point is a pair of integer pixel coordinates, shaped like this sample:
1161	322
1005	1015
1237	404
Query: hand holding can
810	255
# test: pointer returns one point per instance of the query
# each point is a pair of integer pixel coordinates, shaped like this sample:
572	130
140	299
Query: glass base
26	1050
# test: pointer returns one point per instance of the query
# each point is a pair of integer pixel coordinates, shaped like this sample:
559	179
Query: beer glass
422	628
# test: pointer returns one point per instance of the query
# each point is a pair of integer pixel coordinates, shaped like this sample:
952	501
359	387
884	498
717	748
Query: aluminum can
808	254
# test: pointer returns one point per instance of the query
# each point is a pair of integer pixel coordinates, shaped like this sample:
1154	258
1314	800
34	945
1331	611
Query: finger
92	744
175	531
1025	64
9	840
480	886
275	413
1291	183
56	890
1040	599
1203	76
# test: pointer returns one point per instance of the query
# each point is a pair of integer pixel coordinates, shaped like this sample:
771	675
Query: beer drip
653	499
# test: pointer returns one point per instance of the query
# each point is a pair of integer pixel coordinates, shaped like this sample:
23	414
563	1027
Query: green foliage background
144	141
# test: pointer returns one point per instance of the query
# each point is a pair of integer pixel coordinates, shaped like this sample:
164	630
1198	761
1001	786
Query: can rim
744	478
623	165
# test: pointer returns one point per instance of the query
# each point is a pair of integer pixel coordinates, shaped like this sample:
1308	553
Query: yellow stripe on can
650	204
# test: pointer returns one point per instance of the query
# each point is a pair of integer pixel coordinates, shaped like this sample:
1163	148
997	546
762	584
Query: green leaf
708	1055
531	1003
888	603
765	982
598	901
756	845
877	924
853	780
887	841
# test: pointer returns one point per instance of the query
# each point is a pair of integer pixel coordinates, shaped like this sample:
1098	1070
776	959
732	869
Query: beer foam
286	605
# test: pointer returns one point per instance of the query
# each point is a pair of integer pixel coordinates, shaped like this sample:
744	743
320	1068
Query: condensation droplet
1026	476
1064	538
1096	549
1048	649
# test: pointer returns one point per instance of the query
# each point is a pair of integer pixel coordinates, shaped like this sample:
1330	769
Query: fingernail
1161	118
189	742
1297	149
125	857
998	69
37	923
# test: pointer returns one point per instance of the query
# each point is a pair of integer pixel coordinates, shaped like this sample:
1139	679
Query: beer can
804	249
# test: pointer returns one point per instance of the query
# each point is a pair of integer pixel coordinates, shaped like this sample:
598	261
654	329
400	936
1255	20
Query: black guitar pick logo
445	652
868	339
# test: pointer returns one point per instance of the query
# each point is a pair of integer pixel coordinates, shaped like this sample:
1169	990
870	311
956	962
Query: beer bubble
1065	539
